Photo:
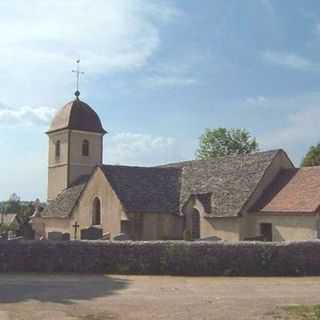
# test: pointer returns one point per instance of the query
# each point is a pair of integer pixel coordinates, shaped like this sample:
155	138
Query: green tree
312	158
221	142
13	205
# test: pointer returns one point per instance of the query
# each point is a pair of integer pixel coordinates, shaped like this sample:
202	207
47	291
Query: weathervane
78	72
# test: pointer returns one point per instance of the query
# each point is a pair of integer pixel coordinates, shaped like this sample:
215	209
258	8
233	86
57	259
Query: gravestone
55	236
121	237
91	233
66	236
106	236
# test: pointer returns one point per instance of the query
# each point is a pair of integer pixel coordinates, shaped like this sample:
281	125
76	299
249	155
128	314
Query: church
241	197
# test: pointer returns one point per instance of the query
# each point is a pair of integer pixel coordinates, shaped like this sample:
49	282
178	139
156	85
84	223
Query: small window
85	148
57	151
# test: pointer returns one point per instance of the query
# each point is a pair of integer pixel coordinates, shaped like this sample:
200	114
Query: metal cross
76	226
78	72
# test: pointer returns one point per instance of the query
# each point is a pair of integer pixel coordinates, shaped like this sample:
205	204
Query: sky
158	73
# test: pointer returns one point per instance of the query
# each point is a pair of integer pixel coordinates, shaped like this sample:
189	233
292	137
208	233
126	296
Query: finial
78	72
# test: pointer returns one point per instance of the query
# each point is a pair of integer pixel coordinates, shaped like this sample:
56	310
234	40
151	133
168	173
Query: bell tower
75	145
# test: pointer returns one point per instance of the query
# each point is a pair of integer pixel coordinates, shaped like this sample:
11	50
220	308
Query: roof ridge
136	167
187	162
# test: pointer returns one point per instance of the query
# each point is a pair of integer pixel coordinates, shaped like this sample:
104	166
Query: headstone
91	233
27	232
16	238
106	236
121	237
11	235
55	236
66	236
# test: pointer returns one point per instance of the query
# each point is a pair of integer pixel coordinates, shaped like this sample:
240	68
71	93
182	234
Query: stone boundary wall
164	257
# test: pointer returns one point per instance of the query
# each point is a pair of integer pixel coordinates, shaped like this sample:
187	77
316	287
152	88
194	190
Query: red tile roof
293	191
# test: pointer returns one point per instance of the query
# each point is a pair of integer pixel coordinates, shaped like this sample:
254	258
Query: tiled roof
62	206
293	190
231	180
223	185
145	190
76	115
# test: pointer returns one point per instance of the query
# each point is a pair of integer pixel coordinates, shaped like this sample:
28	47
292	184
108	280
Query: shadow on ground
57	288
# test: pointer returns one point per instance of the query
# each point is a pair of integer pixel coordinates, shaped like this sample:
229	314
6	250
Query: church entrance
266	231
195	224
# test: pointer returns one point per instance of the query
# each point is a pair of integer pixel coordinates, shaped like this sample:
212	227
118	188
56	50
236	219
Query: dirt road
95	297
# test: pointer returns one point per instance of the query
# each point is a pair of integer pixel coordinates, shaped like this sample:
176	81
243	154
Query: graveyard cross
76	226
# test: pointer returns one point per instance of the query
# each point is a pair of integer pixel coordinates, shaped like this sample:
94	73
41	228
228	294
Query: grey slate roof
231	180
223	185
62	206
145	190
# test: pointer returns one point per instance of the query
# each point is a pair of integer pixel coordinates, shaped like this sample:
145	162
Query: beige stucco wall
71	164
222	228
289	227
111	208
154	226
43	226
162	227
84	165
57	167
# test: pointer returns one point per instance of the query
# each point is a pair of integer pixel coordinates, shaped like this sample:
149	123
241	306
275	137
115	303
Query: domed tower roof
76	115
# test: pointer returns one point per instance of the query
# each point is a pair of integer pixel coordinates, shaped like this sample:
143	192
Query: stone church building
261	195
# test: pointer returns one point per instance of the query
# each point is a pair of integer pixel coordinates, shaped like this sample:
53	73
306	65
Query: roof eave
103	131
288	212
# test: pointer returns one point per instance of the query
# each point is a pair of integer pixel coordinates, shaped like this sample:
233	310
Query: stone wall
171	258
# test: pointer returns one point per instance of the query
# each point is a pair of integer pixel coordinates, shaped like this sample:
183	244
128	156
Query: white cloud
25	116
302	127
41	40
173	74
141	149
255	100
289	60
169	80
287	122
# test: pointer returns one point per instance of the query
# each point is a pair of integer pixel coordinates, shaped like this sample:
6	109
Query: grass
302	312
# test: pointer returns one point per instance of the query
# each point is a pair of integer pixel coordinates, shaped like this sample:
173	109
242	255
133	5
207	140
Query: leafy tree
312	158
13	204
14	198
221	142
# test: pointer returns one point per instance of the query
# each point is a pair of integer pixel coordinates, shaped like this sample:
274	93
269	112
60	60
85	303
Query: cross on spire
78	73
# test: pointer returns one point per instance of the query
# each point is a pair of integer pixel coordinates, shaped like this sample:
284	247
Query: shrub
187	235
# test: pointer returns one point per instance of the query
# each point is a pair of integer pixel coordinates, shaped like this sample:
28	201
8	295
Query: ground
98	297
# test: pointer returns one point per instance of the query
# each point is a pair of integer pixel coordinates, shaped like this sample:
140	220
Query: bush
187	235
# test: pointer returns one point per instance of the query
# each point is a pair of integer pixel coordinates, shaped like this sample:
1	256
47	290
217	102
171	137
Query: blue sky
158	73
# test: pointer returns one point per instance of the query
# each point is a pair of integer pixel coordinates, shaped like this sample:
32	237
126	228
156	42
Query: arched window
85	148
57	149
195	224
96	212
